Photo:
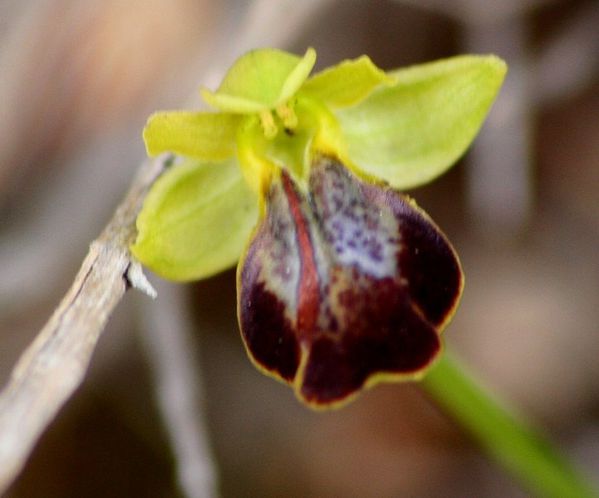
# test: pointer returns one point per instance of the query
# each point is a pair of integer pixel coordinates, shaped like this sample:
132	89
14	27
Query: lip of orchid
344	285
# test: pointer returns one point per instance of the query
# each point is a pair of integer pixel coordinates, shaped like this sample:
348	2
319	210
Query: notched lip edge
371	381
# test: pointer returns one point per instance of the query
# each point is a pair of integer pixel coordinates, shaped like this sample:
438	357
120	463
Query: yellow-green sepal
200	135
347	82
261	80
196	220
411	132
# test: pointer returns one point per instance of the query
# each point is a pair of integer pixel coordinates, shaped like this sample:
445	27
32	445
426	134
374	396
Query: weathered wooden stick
55	363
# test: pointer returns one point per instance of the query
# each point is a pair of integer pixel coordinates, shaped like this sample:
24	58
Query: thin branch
167	337
54	365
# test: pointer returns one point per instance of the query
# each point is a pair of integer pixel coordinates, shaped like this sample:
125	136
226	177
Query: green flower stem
515	445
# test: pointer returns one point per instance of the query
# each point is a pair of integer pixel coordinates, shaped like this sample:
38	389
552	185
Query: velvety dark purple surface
350	272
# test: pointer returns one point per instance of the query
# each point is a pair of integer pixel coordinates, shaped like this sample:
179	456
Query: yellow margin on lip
373	379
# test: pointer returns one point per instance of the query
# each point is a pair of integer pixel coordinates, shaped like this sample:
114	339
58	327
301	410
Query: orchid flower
342	280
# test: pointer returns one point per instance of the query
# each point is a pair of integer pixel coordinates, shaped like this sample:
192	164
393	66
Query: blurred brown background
77	81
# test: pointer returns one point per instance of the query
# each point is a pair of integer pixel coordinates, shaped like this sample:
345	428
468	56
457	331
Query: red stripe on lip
309	291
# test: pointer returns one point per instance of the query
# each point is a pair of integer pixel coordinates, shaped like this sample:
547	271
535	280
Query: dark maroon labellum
344	285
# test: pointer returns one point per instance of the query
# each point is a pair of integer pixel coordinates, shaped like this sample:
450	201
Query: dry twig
54	365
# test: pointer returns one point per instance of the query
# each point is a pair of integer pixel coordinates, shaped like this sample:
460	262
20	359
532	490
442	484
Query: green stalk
523	451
